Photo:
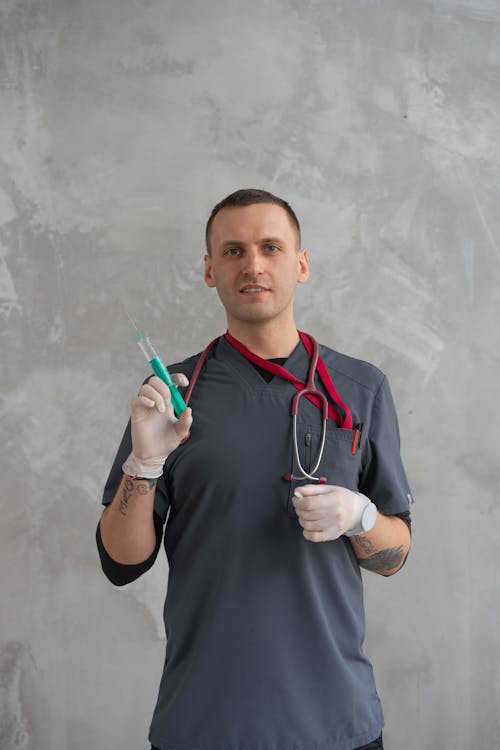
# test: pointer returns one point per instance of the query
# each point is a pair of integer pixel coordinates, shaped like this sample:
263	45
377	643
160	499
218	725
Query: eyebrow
264	240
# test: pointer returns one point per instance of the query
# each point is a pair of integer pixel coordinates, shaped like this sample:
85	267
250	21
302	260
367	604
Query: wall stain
14	726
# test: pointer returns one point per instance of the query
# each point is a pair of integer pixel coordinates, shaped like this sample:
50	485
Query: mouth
253	289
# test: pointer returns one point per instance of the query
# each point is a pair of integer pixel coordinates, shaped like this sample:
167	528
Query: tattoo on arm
145	485
142	487
364	544
128	488
386	559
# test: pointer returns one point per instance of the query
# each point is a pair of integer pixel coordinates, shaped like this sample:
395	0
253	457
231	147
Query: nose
252	262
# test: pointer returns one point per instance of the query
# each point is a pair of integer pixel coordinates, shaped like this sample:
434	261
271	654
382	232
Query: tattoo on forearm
386	559
142	487
363	543
145	485
128	488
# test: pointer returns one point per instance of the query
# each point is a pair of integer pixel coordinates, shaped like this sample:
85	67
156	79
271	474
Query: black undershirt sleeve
119	573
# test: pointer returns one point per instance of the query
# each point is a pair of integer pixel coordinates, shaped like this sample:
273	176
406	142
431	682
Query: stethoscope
338	410
310	388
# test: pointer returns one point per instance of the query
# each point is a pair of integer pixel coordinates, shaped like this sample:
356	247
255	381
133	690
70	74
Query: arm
128	532
126	525
326	512
385	547
121	573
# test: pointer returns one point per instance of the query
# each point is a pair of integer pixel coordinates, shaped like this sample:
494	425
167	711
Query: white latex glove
156	431
326	511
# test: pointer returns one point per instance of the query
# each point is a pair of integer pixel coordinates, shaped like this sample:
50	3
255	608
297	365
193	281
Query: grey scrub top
265	629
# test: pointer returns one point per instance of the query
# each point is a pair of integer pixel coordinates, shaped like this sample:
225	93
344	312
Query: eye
272	249
232	251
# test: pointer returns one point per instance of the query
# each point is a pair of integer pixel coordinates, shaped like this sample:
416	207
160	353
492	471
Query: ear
208	275
303	261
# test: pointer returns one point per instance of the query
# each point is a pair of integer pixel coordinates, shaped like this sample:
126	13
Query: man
269	519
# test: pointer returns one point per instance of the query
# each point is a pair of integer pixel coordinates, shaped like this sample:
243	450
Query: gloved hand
326	512
156	431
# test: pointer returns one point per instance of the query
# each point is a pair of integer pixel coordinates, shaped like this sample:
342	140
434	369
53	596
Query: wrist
151	482
143	468
366	518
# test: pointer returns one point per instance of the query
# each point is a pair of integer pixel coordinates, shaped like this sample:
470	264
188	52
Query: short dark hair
248	197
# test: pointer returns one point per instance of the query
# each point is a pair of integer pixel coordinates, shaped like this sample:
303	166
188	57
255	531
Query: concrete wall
121	124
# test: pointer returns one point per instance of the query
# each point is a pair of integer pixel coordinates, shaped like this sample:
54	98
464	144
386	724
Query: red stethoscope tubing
316	364
307	389
196	372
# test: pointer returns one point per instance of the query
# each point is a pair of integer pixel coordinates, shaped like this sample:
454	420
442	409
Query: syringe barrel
161	371
147	348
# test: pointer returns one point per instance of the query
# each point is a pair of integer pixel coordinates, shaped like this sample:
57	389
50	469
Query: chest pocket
338	464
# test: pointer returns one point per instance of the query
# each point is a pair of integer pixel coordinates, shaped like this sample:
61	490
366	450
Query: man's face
255	263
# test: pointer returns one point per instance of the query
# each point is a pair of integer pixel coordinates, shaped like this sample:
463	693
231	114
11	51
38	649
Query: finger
311	515
180	379
160	399
183	424
313	503
308	490
141	401
311	525
158	384
327	535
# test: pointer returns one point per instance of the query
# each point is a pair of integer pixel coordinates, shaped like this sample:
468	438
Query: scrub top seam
333	369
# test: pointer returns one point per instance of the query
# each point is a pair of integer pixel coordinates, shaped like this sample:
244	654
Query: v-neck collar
297	364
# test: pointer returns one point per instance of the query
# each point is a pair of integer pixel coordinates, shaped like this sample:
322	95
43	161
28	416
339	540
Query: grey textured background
121	124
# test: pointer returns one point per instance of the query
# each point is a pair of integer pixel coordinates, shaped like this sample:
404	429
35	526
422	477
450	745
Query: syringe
159	368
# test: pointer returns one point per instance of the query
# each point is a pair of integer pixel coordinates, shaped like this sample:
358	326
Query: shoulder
357	371
186	365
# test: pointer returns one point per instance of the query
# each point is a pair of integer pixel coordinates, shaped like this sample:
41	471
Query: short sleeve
383	477
162	502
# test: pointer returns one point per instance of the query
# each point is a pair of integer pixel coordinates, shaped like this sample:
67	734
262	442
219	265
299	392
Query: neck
267	341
